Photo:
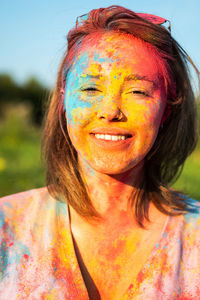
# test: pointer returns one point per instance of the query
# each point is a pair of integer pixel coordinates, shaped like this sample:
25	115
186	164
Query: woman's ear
62	96
62	91
166	114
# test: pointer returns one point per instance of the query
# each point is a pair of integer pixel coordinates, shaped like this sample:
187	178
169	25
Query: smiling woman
93	104
121	122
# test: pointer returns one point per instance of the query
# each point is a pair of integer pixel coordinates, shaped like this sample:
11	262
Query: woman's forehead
113	45
120	53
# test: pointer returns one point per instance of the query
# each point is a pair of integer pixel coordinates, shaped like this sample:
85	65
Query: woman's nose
110	109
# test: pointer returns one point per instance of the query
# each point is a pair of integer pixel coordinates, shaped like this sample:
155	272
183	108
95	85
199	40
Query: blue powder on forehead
99	59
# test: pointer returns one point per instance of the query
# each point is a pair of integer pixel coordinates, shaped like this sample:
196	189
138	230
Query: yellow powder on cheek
76	116
137	114
81	116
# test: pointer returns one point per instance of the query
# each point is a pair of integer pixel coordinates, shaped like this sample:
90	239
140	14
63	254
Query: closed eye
90	90
139	92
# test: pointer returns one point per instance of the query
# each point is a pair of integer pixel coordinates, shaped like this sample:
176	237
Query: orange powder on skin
142	102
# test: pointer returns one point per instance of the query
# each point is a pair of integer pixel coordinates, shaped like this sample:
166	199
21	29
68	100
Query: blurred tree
8	88
32	91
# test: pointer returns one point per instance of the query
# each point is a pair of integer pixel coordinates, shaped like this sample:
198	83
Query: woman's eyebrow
84	75
131	77
138	77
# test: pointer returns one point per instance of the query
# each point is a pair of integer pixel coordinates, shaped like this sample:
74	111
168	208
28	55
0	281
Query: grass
20	164
189	181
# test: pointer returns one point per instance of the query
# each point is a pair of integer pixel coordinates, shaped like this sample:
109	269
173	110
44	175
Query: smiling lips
110	134
109	137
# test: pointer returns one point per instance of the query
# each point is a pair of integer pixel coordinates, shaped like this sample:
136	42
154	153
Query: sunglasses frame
149	17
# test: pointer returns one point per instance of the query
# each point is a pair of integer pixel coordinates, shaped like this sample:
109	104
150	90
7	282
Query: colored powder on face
72	101
98	84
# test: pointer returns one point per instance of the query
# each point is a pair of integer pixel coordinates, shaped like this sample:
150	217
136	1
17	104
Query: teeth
109	137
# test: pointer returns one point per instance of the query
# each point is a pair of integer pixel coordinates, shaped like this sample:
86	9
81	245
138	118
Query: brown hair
175	141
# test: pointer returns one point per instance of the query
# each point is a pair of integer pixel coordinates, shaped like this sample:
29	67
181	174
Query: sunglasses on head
151	18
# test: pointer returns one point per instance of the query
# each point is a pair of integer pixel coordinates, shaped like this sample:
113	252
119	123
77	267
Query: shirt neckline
142	269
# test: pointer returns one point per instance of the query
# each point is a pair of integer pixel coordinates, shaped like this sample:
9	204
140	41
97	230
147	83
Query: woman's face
114	72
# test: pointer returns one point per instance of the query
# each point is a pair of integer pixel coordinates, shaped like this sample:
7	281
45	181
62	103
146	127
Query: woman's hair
176	138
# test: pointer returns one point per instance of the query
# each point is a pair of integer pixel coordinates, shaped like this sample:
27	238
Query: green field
20	164
189	181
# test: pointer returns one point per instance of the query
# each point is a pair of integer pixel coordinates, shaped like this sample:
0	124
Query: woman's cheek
138	114
76	109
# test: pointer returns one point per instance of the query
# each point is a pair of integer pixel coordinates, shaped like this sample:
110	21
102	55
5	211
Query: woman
121	122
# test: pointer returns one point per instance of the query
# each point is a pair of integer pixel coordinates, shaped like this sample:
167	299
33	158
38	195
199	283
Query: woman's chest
109	270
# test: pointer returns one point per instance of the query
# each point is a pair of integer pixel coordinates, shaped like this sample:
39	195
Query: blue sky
33	32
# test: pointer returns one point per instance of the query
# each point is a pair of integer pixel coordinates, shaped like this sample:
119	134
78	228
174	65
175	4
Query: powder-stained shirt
38	260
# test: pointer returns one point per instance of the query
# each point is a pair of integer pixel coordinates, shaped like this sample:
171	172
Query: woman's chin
112	169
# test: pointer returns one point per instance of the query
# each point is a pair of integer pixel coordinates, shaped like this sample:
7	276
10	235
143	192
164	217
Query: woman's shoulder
191	228
18	208
25	198
186	227
192	216
25	195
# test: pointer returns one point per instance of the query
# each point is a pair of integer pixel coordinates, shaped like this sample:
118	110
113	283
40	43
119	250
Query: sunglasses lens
80	20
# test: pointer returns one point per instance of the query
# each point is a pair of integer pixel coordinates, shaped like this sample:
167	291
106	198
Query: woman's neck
110	196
